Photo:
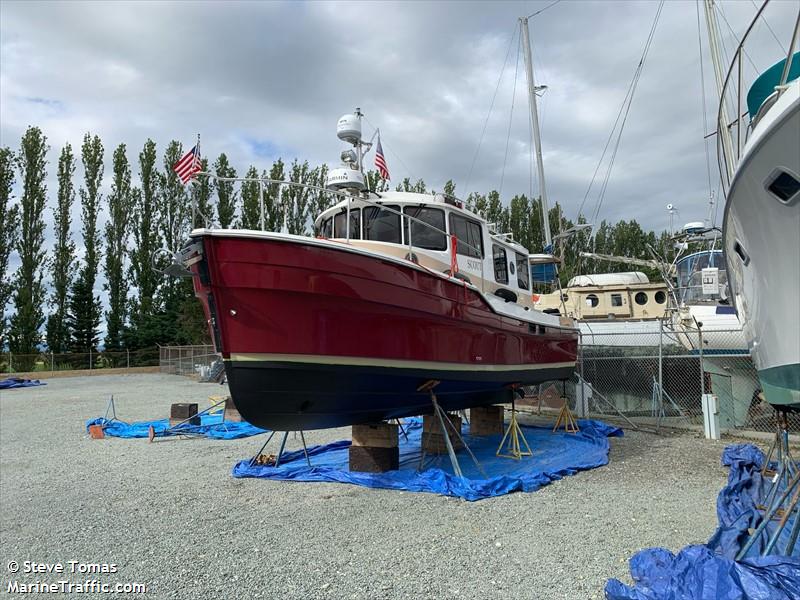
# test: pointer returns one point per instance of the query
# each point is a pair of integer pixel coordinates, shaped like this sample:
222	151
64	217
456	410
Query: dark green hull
781	386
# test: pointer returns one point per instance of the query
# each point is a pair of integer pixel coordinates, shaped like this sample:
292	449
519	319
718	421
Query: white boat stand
429	386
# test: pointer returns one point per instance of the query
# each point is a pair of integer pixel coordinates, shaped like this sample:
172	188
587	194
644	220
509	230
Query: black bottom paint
304	396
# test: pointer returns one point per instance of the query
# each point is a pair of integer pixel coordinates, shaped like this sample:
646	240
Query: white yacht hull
762	249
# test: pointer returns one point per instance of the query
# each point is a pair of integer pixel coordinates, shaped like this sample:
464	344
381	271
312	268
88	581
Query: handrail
350	198
725	162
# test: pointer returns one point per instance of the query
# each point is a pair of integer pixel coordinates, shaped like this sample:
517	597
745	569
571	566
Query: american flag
188	165
380	161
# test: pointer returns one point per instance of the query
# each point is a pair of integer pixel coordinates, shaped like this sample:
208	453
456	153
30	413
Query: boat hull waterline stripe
389	363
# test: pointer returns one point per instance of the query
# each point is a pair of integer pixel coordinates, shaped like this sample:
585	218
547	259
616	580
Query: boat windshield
689	273
422	236
381	225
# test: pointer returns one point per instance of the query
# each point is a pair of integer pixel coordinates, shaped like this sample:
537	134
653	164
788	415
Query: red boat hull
318	335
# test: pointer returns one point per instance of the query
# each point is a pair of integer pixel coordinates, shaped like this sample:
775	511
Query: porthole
661	297
511	266
741	253
592	300
564	297
640	298
784	186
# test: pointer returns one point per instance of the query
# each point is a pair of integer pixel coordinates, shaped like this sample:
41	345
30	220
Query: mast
537	142
719	75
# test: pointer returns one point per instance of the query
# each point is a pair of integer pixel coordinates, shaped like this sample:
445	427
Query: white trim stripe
390	363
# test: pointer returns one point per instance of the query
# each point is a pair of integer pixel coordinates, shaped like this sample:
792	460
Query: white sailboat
759	155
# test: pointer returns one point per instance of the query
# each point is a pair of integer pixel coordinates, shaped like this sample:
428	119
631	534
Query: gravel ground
171	516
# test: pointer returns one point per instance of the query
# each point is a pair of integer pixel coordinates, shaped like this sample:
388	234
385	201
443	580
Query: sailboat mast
537	142
719	75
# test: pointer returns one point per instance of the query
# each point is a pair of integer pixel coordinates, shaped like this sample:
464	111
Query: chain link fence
49	362
187	360
657	375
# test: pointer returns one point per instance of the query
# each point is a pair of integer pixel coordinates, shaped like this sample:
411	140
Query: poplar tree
374	182
146	243
296	199
57	331
226	192
9	217
273	196
116	234
84	307
251	201
173	224
24	335
320	201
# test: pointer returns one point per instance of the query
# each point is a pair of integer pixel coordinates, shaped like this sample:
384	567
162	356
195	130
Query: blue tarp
555	455
211	426
708	571
18	382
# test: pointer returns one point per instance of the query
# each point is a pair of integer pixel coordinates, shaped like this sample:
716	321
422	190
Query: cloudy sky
267	80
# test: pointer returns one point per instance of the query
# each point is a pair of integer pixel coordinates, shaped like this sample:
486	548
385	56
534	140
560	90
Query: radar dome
348	129
345	179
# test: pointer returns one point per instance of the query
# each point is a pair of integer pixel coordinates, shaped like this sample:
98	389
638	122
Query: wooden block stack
486	420
180	412
433	438
231	412
375	448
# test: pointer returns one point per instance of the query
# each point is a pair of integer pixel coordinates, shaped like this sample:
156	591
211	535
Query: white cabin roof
627	278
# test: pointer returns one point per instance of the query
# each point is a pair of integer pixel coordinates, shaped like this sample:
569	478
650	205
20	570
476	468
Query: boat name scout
72	566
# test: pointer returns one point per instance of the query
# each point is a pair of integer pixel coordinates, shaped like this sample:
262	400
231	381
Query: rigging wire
705	116
622	117
491	107
763	18
510	119
735	37
538	12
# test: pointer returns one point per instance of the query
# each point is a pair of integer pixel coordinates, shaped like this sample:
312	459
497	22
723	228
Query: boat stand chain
782	499
514	435
274	460
152	433
444	420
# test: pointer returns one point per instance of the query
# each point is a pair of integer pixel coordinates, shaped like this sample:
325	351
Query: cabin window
423	236
592	300
325	228
640	298
523	274
616	299
784	186
340	224
381	225
468	233
500	264
661	297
